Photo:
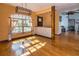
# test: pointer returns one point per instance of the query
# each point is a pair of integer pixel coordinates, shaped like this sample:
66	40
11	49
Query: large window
20	23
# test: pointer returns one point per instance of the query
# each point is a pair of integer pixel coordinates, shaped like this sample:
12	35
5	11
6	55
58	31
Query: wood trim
23	10
53	22
10	25
21	37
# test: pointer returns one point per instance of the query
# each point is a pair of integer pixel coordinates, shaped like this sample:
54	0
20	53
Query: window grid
21	25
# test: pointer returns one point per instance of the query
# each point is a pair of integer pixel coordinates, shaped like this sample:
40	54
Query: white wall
64	21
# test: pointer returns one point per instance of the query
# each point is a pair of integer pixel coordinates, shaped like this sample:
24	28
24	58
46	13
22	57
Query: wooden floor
66	44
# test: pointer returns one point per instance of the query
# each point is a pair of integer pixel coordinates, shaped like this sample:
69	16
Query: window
20	23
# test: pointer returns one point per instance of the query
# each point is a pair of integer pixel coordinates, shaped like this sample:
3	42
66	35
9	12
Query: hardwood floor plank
67	44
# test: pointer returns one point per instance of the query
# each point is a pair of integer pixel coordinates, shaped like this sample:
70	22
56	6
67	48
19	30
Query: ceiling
61	7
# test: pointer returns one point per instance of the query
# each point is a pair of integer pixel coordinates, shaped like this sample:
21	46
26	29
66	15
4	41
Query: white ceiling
40	6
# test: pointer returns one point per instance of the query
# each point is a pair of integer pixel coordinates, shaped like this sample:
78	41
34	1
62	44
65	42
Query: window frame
23	26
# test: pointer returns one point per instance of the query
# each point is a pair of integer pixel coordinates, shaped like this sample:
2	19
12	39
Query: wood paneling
44	11
6	12
46	19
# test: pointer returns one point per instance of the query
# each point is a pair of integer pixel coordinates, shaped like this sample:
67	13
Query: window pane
17	29
26	17
27	29
27	23
19	23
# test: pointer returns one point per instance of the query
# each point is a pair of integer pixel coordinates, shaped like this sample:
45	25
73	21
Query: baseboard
15	38
21	37
1	41
43	36
58	34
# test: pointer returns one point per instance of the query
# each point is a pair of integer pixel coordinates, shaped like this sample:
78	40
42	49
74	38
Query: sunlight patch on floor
28	45
33	48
